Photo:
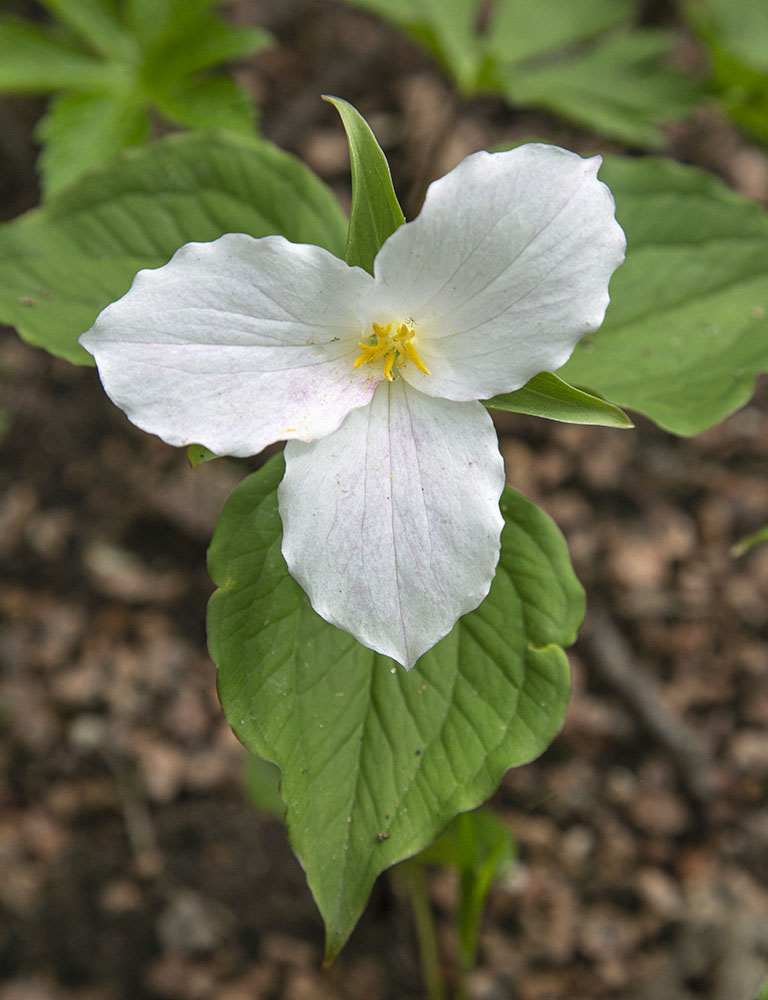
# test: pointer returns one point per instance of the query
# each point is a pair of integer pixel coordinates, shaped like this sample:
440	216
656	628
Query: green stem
466	925
425	930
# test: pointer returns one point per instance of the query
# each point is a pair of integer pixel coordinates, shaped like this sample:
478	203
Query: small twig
610	653
137	818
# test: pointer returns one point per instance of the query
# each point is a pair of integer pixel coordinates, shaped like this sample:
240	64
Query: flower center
394	348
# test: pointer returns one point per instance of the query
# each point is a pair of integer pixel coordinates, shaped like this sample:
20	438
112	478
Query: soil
130	864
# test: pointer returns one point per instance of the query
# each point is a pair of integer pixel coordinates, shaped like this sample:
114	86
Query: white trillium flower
390	500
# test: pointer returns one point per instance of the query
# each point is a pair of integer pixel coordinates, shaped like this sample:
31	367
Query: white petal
504	269
392	524
235	344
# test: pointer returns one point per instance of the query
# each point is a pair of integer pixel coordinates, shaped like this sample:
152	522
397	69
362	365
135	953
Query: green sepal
546	395
375	211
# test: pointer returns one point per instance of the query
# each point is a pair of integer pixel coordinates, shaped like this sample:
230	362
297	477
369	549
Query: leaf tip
198	453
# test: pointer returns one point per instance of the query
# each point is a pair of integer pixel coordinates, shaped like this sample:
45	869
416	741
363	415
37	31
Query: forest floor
131	866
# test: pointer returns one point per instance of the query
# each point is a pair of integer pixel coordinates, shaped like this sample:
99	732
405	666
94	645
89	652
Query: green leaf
487	850
743	92
375	212
619	86
736	37
582	59
687	329
262	785
750	541
150	20
199	45
198	453
763	994
446	28
517	35
97	22
375	761
83	130
35	61
155	60
61	264
548	396
214	102
739	26
449	30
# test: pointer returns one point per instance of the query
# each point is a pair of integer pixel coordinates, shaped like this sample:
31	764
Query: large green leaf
375	212
61	264
375	761
687	329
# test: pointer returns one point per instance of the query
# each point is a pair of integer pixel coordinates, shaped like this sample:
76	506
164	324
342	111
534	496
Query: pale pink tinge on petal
236	344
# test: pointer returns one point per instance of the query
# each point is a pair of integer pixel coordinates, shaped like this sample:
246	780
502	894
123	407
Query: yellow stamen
410	350
394	348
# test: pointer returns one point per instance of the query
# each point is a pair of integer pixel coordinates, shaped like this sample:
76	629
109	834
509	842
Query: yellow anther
393	347
410	350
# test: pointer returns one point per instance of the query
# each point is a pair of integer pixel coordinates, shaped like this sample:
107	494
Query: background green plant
686	333
112	68
584	60
735	36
